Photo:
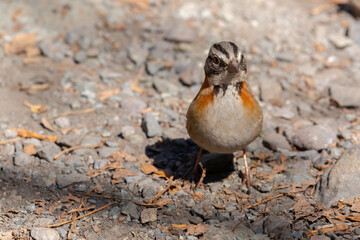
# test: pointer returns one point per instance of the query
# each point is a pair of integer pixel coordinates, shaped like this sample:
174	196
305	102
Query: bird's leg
247	174
195	169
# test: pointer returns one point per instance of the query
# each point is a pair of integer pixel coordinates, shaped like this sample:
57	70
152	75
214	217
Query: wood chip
148	168
36	108
105	95
31	134
20	43
30	149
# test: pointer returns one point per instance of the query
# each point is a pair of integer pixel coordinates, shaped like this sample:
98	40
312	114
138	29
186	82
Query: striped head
225	64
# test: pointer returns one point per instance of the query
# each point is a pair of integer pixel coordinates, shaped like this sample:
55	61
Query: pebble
131	209
345	96
181	32
8	150
127	131
314	137
151	126
341	181
137	54
115	213
10	133
191	76
106	152
164	86
275	141
80	56
153	67
299	172
340	41
36	142
148	215
274	226
84	42
92	52
48	152
133	104
31	207
53	50
270	89
44	234
22	159
149	191
100	163
64	180
91	140
106	134
62	122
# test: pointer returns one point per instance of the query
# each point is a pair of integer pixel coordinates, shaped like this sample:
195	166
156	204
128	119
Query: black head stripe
221	49
235	48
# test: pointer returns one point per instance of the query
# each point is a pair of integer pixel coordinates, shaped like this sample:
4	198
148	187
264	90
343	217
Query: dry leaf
105	95
196	230
120	173
47	124
36	108
117	156
20	43
179	226
30	149
174	188
31	134
148	168
96	228
161	174
282	167
302	208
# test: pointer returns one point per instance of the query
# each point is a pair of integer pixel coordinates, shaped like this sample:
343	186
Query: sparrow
224	117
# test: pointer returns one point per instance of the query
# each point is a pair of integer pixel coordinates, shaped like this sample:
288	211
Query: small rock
10	133
54	51
130	209
151	126
341	181
340	41
153	67
91	140
100	163
62	122
164	86
68	140
137	54
115	213
181	32
64	180
149	191
148	215
22	159
270	89
44	234
92	52
314	137
299	173
345	96
106	134
133	104
84	42
274	226
106	152
127	131
36	142
48	152
275	141
31	207
80	56
8	150
192	75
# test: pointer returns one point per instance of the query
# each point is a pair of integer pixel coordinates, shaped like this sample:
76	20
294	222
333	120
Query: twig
70	149
159	194
332	228
89	110
65	64
85	215
203	174
10	140
134	83
268	199
155	204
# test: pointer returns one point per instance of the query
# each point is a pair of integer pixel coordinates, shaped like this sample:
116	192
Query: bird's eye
216	60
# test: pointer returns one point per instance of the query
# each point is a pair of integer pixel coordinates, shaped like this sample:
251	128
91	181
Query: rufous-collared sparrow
224	117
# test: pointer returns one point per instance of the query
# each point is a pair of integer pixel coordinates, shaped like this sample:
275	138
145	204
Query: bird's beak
233	66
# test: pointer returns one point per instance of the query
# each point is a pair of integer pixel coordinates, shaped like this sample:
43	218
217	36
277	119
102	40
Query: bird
224	116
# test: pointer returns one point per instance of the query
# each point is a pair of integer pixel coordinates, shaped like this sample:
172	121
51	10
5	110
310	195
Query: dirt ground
93	100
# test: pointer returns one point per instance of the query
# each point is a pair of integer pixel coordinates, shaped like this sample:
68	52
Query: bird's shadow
177	157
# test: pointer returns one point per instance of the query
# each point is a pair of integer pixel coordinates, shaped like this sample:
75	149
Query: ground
93	99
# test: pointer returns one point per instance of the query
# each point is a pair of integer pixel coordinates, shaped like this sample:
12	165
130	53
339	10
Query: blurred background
109	75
